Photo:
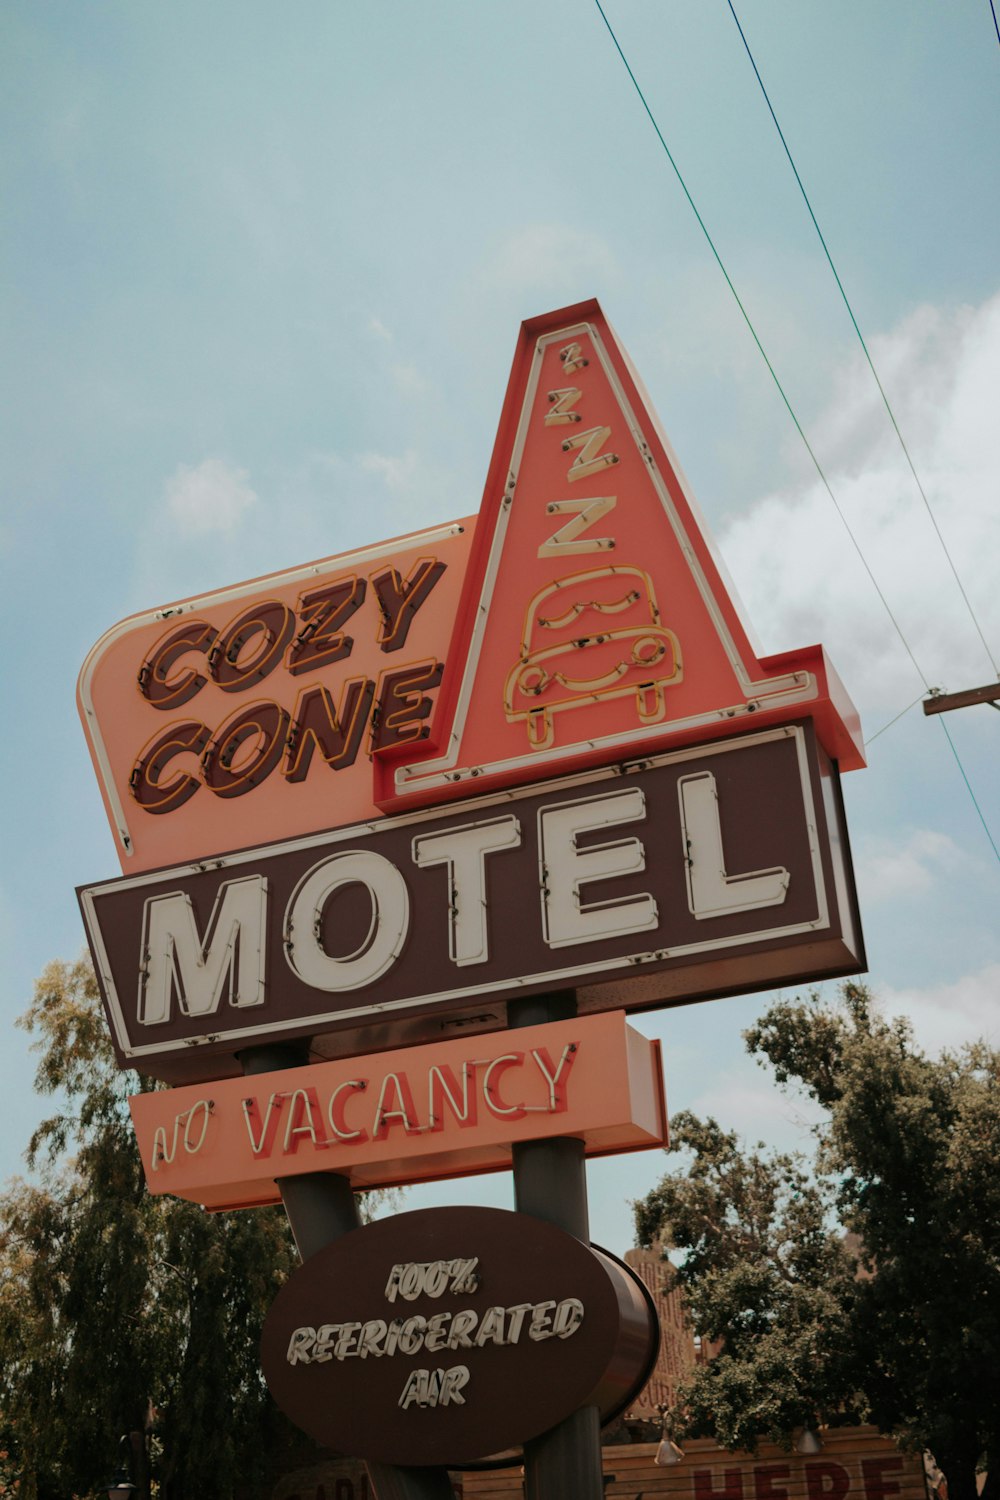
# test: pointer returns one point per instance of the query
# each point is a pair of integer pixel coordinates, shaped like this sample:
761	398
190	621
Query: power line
787	403
861	340
763	353
968	785
996	24
902	714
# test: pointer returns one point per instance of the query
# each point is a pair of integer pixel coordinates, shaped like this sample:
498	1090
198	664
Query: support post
550	1183
321	1206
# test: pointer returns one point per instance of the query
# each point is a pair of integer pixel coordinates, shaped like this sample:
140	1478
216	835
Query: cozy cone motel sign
370	800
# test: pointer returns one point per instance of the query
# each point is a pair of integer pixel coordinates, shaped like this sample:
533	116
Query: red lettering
262	1142
230	773
826	1481
321	640
442	1085
732	1487
306	1119
763	1482
405	1114
399	599
230	666
873	1470
555	1075
398	716
491	1088
158	796
154	683
337	1107
336	732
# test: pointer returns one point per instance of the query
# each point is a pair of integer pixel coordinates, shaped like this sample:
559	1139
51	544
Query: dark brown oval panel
448	1335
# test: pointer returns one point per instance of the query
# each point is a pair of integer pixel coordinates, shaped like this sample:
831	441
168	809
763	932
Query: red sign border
813	689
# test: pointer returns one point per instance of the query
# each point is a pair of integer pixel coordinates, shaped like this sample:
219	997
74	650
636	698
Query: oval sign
450	1335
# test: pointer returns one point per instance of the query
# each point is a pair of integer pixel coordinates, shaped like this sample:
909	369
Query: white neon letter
230	960
711	892
570	538
464	851
565	869
386	934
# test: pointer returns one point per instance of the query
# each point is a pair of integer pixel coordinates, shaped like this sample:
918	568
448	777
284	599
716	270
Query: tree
907	1160
120	1312
762	1273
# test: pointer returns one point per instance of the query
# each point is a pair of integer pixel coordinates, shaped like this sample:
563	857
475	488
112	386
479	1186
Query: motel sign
366	806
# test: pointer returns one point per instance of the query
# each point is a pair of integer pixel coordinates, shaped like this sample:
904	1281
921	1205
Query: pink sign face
420	1114
254	713
595	622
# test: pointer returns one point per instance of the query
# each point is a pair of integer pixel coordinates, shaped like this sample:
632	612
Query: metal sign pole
550	1183
321	1206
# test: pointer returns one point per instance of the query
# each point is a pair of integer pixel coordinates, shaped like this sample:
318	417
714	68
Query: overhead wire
968	784
861	340
788	406
902	713
996	23
763	353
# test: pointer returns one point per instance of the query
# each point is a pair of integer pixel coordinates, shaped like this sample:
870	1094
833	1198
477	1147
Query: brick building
679	1350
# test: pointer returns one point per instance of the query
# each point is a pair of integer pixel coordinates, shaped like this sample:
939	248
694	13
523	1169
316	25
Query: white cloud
409	379
378	328
400	473
887	869
210	497
950	1014
759	1111
551	255
798	570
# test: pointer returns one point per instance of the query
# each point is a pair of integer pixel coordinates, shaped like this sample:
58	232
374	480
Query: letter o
437	1278
412	1282
228	662
205	1107
386	934
267	724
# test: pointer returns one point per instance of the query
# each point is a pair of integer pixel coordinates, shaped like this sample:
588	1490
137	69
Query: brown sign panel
452	1335
700	872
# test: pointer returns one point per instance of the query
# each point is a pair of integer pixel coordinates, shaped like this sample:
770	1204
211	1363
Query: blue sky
263	272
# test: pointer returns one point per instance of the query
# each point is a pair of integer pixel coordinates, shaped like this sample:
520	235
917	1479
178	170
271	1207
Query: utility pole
943	703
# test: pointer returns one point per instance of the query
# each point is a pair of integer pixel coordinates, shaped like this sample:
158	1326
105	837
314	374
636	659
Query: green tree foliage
761	1272
908	1153
120	1312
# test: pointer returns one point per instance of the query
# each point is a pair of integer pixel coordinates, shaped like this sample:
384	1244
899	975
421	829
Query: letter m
178	963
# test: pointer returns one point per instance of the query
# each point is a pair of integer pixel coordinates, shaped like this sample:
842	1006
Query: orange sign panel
418	1114
595	621
254	713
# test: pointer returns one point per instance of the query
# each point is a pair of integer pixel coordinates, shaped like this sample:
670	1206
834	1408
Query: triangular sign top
594	624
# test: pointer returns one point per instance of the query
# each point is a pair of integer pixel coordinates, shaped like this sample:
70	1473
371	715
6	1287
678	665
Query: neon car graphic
588	637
